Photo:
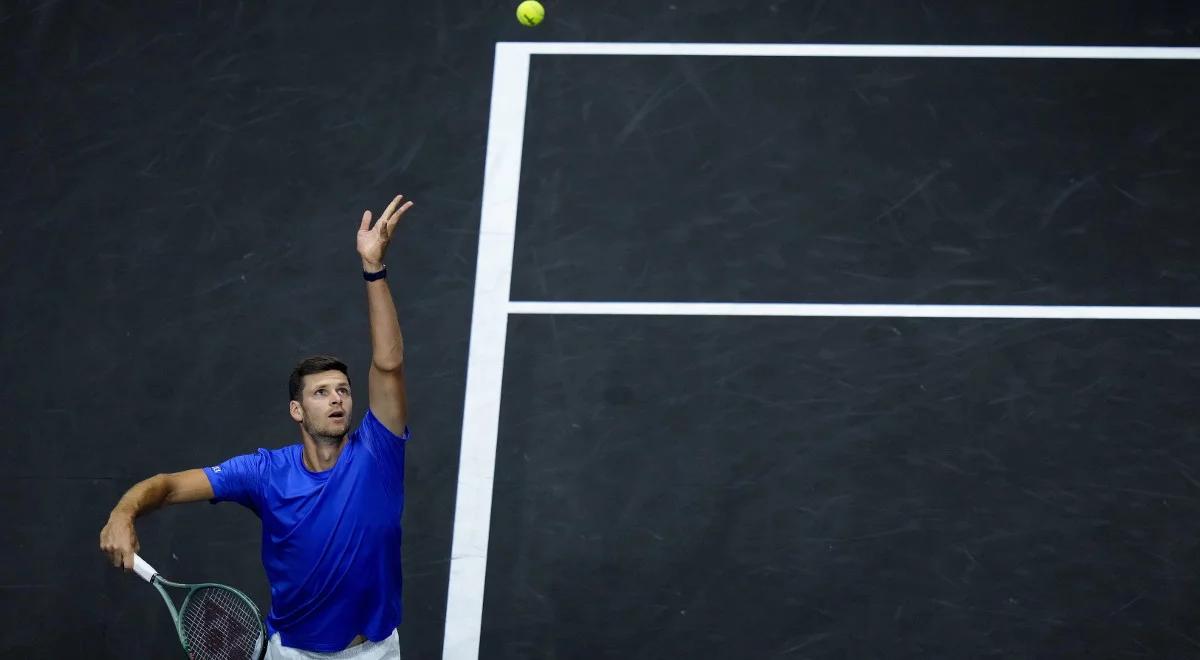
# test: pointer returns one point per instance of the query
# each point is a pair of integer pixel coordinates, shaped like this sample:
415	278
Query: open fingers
387	213
394	219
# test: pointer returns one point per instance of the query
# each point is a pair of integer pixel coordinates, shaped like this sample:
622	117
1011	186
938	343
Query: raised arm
389	400
118	539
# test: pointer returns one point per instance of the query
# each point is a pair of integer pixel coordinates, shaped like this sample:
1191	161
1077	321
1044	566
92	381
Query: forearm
144	497
387	343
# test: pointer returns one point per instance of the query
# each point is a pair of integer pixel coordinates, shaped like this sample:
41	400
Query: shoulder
276	454
372	428
260	459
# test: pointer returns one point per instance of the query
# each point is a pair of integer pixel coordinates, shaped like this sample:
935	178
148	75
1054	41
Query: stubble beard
322	436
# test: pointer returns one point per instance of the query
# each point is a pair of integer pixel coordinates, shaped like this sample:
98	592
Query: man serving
330	506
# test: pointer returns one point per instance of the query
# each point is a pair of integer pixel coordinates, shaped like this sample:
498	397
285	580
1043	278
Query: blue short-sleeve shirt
330	540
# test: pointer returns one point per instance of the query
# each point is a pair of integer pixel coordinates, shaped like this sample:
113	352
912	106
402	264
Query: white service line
882	311
857	50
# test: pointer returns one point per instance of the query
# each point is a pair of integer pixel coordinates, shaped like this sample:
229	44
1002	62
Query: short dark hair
313	365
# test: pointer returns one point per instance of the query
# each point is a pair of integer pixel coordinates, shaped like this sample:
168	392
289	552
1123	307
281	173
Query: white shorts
384	649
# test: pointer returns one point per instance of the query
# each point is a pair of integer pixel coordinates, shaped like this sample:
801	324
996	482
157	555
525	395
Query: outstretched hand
373	241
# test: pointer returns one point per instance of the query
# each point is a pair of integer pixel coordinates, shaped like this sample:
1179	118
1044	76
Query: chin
327	430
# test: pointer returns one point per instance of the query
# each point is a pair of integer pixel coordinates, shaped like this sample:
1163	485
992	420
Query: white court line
881	311
485	362
857	50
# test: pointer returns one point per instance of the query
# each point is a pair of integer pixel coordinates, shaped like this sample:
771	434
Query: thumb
366	221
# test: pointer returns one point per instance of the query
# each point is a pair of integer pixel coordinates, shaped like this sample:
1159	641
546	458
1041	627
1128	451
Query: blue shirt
330	540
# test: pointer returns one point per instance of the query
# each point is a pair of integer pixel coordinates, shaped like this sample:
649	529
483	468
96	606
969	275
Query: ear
296	411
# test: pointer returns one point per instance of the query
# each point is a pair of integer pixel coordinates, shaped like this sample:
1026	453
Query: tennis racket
215	622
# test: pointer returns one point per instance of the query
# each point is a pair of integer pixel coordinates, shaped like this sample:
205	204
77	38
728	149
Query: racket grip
144	570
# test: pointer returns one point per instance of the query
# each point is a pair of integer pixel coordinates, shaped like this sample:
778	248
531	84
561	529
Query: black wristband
377	275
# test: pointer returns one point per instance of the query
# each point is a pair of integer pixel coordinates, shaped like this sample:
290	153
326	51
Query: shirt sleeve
383	445
239	479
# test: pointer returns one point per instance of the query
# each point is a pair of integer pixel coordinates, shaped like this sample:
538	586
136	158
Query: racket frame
147	573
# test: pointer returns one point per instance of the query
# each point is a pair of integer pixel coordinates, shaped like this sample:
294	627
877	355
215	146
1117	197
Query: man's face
325	405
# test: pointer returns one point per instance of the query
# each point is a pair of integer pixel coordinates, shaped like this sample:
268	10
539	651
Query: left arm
388	398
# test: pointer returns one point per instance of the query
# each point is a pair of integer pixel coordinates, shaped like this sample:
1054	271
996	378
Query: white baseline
855	50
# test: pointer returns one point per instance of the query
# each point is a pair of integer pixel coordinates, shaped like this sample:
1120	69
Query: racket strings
219	625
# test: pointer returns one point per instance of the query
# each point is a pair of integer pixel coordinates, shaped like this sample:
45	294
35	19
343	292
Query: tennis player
330	506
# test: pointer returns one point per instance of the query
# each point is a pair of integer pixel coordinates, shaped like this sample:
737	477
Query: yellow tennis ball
530	13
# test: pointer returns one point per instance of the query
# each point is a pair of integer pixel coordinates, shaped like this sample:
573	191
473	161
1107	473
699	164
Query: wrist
121	515
372	266
374	272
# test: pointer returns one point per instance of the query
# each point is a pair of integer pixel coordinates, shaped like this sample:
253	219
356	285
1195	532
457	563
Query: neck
321	452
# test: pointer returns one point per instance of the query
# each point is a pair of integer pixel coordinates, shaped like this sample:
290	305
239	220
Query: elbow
388	366
164	486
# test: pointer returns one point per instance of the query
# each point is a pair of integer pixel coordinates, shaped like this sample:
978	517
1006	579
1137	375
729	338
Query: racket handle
144	570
